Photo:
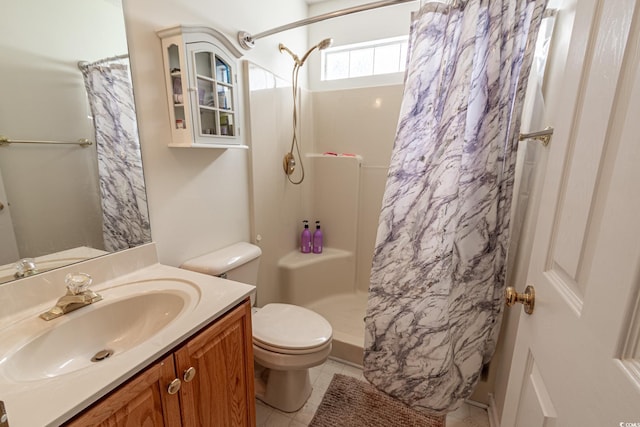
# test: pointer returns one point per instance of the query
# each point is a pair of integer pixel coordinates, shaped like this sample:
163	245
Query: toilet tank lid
223	260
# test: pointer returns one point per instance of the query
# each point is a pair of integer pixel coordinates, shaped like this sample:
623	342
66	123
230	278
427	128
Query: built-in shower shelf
306	278
356	157
296	259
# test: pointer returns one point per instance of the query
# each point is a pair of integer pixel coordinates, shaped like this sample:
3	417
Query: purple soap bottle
317	239
305	238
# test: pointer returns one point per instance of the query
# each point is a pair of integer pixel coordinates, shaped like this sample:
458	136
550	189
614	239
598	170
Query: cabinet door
222	392
143	401
213	97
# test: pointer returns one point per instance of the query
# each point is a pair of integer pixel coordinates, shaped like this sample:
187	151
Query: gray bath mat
350	402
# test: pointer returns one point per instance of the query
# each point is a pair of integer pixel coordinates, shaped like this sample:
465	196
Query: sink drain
101	355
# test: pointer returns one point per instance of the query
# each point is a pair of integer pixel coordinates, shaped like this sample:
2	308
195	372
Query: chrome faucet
78	295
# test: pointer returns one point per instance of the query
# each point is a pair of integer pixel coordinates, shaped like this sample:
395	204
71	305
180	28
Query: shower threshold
346	313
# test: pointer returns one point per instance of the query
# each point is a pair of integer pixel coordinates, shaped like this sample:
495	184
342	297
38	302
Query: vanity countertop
54	400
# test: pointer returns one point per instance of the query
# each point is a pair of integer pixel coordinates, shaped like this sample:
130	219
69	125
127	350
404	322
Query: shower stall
342	190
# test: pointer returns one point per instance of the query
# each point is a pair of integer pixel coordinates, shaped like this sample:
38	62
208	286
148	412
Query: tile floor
466	416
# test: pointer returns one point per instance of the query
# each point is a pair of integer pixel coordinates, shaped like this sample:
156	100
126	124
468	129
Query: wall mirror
61	201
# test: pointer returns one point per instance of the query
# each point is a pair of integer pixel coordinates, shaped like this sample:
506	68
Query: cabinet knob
174	386
189	374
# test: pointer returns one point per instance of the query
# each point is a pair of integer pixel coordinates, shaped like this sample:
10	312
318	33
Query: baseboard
492	411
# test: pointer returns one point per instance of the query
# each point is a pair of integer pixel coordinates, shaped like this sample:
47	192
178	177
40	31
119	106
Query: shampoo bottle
317	239
305	238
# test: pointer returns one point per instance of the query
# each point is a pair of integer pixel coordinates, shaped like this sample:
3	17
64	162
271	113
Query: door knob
528	298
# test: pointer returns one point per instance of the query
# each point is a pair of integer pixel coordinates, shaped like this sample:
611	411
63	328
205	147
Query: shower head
321	46
300	62
325	43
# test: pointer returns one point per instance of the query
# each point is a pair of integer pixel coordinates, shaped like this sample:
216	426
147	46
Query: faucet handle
25	267
77	283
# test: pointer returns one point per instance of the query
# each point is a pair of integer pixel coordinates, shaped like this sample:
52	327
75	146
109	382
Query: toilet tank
238	262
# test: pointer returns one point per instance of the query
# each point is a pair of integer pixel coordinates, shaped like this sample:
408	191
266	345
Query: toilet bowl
287	339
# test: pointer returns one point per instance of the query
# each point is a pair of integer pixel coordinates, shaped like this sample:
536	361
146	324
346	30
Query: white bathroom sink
129	315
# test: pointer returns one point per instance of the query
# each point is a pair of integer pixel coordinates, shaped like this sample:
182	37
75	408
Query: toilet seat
290	329
280	350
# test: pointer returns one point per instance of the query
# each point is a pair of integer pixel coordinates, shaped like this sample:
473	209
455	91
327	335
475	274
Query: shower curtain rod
81	142
85	64
248	41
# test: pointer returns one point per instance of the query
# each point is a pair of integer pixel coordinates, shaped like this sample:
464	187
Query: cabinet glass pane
208	122
226	124
205	93
178	112
225	101
223	71
174	58
176	83
203	64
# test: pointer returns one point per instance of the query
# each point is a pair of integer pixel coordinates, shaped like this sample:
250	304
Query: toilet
287	339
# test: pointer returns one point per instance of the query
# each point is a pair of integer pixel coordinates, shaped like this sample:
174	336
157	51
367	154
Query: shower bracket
289	163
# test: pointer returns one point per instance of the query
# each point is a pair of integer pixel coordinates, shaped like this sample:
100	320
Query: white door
577	357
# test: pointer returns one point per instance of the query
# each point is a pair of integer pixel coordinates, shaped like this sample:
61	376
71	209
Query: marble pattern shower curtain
125	215
437	280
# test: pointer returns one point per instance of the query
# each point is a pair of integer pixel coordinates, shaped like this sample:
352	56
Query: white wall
278	206
53	191
198	198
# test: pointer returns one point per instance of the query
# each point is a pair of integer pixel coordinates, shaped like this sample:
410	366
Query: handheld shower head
325	43
289	161
321	46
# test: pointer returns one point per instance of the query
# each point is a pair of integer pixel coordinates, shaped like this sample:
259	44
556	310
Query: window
365	59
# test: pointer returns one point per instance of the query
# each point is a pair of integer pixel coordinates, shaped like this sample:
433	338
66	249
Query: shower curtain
437	280
125	215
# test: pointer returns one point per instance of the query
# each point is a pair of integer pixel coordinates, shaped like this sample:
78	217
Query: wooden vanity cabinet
215	372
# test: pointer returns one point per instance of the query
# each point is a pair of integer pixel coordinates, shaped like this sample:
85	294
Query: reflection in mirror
61	204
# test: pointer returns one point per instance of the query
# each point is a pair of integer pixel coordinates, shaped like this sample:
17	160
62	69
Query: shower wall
360	121
343	193
277	206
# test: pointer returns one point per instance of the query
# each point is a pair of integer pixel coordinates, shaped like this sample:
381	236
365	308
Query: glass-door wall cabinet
202	84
